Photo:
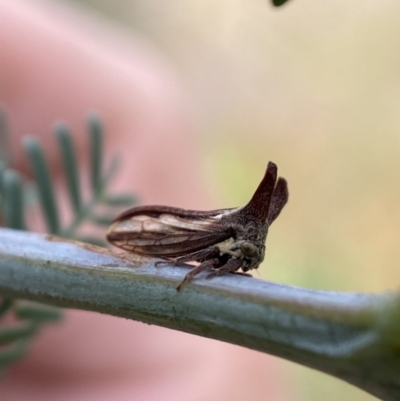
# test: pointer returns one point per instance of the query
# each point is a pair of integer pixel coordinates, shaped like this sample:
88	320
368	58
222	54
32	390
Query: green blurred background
315	87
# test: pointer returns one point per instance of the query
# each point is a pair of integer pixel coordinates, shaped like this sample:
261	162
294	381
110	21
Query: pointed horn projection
278	200
260	202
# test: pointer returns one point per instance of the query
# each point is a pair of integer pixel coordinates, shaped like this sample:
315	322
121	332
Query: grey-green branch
353	336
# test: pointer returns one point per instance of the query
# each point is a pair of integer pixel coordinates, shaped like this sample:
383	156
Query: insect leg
208	264
230	267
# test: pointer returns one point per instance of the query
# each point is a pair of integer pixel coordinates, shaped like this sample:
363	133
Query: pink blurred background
198	96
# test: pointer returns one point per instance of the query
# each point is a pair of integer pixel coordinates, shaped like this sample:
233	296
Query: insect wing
168	232
156	211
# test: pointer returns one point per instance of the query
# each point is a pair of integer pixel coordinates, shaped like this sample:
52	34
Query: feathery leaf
13	200
44	183
70	163
96	151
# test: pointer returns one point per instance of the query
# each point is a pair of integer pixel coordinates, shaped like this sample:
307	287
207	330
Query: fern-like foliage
19	322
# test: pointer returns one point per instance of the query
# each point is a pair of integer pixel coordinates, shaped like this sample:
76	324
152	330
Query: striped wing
168	232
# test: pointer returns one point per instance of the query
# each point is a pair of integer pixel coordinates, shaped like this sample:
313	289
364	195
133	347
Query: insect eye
249	249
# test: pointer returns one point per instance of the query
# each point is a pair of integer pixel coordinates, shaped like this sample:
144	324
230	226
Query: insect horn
278	200
260	202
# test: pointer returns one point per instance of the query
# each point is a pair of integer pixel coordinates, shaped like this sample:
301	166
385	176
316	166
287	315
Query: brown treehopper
222	241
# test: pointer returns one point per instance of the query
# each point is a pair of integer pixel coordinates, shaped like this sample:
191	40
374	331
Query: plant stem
343	334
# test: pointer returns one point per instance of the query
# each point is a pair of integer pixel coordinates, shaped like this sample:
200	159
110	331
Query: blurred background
314	87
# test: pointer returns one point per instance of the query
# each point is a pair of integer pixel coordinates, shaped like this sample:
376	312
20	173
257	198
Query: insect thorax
249	246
